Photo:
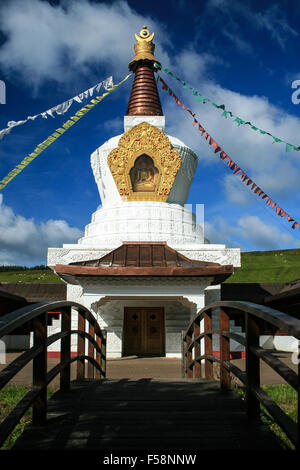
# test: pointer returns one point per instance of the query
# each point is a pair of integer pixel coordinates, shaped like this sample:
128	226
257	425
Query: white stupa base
142	221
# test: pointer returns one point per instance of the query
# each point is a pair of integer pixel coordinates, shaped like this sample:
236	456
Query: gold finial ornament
144	46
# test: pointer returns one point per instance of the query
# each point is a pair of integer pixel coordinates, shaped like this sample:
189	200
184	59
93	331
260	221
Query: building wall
107	297
177	318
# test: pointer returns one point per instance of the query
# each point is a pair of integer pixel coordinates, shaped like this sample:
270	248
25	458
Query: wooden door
143	330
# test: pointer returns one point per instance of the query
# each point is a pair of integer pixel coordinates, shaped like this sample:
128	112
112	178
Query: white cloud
23	241
63	41
265	236
220	231
236	191
243	46
251	232
114	126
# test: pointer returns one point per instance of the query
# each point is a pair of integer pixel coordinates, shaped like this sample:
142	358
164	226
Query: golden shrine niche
144	165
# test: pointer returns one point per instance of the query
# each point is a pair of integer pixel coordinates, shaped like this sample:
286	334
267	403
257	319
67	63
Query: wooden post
65	354
189	356
183	354
103	354
252	368
98	357
39	370
81	346
224	350
91	350
197	351
208	365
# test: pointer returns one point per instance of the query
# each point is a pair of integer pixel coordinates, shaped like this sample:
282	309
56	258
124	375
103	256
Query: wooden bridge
192	413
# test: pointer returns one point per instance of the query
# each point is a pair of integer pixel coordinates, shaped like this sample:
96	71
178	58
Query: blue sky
243	54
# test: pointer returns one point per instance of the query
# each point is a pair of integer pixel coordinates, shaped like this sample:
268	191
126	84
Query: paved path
148	367
147	414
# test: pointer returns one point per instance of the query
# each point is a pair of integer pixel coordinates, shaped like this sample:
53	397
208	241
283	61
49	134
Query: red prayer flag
233	166
213	143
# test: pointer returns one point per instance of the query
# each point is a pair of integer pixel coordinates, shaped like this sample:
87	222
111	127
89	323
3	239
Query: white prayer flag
60	108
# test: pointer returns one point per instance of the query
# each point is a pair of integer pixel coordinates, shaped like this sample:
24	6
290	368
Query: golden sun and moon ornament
144	46
144	165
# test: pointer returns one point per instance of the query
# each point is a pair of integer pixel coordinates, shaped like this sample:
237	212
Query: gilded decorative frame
144	139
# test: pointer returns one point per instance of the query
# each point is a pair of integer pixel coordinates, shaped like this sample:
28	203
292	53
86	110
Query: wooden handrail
253	315
36	316
13	320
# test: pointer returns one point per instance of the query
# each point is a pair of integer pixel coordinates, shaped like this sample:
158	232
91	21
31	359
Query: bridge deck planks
152	414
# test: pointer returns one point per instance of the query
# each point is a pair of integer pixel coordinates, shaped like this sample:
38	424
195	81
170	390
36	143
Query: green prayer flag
225	113
276	139
239	121
201	98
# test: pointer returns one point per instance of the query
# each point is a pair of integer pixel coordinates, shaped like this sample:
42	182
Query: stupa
143	266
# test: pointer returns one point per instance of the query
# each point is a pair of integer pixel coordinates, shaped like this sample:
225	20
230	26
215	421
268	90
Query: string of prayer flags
230	163
202	99
57	133
61	108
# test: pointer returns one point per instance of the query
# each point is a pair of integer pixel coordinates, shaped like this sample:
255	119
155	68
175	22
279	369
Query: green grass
43	275
257	267
267	266
286	398
9	398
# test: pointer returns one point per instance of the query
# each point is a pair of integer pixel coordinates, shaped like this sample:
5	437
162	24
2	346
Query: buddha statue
144	175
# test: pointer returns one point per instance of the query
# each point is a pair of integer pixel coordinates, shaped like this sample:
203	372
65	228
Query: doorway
144	332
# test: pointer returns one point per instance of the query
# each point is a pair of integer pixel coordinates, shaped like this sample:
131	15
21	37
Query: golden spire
144	98
144	47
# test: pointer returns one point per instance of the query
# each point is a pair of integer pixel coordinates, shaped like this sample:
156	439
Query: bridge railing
36	315
254	318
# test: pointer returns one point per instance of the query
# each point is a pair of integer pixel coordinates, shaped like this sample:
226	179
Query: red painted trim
233	354
56	354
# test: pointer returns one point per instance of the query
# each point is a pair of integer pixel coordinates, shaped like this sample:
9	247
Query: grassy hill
268	266
21	274
257	266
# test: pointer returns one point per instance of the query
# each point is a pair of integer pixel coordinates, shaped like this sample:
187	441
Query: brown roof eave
193	271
